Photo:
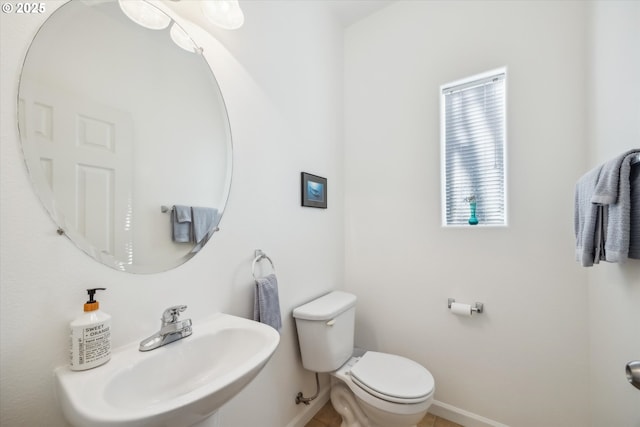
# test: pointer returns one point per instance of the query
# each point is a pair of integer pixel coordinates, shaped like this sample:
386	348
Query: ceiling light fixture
181	38
223	13
144	14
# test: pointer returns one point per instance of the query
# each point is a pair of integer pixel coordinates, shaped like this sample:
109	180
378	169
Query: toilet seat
392	378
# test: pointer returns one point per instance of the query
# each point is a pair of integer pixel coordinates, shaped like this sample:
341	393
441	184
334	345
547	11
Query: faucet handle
171	314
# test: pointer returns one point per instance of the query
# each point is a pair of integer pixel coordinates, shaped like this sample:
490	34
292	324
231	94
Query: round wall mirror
125	135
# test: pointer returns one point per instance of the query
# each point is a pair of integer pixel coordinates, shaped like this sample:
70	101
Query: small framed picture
314	191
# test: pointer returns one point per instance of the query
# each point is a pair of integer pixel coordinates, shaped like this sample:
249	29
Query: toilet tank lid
326	307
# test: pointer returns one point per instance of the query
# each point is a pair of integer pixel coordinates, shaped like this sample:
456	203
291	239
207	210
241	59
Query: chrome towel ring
259	255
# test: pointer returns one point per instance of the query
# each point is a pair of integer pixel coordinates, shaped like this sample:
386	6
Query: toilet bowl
373	390
390	391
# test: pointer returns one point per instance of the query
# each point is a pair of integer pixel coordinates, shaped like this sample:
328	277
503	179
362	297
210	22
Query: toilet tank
326	331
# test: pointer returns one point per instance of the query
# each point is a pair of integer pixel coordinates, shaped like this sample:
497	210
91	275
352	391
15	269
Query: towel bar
259	255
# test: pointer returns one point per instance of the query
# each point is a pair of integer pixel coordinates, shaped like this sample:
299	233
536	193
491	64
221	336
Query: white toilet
373	390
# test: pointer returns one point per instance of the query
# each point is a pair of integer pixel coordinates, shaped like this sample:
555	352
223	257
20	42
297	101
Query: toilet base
344	402
357	413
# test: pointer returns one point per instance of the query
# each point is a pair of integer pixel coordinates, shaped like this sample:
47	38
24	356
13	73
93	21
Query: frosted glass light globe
223	13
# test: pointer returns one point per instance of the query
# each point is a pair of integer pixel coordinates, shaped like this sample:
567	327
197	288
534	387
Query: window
473	139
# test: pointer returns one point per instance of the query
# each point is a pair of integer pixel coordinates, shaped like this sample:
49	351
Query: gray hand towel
181	223
613	193
634	238
587	223
266	306
203	220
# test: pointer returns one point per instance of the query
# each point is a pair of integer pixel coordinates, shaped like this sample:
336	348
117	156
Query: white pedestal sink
178	385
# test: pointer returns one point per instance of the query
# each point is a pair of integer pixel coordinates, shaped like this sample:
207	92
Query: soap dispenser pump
90	336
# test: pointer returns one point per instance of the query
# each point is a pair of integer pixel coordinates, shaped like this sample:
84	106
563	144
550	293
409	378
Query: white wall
614	290
524	362
284	99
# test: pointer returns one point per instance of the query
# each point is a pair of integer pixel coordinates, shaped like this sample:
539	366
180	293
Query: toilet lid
393	378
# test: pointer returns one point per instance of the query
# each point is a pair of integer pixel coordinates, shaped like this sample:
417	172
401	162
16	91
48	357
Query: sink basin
177	385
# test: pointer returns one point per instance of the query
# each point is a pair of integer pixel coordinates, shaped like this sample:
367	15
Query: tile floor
328	417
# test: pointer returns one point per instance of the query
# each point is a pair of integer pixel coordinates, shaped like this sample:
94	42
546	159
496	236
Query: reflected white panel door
86	157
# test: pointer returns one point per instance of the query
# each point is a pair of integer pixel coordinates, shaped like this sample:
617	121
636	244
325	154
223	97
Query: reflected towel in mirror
203	219
181	223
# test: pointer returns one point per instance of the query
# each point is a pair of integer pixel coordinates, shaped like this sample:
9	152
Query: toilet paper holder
478	308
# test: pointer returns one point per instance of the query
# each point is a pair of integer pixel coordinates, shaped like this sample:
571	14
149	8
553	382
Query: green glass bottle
473	220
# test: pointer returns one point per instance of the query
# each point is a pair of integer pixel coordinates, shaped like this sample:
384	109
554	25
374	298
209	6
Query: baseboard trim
460	416
305	416
441	409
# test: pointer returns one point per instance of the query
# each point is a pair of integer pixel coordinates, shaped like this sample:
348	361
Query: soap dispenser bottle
90	336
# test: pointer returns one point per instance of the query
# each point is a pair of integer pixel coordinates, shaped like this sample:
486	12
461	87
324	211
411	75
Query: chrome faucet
171	329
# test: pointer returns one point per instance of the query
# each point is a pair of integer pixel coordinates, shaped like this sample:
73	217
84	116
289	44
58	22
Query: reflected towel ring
259	255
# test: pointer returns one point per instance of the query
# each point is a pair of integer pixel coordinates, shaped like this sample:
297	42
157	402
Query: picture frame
313	191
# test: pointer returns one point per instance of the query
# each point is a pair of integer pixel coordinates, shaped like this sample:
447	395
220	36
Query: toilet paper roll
461	309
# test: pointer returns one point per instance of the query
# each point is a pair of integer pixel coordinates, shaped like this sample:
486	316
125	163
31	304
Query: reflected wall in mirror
116	121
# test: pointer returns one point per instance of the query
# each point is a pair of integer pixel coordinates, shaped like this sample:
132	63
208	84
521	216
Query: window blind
473	144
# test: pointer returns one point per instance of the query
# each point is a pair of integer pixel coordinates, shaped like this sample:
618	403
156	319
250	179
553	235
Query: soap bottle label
90	346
